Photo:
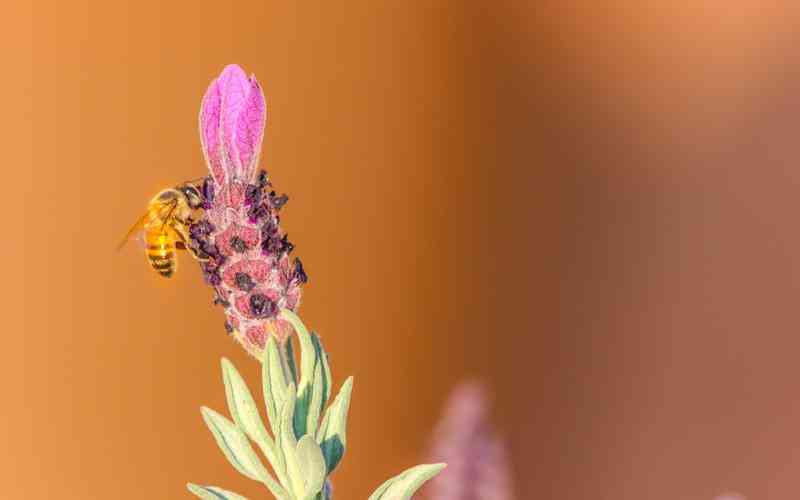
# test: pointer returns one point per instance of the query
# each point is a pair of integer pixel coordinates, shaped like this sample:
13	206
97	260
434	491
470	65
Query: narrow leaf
308	360
315	406
274	383
245	413
288	445
326	369
312	463
213	493
332	434
235	446
402	486
304	396
291	360
307	351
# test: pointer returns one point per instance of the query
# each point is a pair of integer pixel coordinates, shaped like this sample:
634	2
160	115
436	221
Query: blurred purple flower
247	254
477	465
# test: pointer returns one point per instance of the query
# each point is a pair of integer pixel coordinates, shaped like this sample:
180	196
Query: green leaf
312	463
402	486
321	386
307	351
332	433
273	381
326	369
308	361
315	406
288	445
301	410
235	446
290	359
245	413
213	493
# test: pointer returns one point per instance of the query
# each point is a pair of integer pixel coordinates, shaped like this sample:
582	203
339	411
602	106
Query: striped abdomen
161	252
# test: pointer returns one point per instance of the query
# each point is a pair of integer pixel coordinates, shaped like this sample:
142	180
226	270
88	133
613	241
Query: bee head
193	197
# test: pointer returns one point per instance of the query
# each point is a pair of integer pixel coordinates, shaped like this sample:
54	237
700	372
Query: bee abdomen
163	261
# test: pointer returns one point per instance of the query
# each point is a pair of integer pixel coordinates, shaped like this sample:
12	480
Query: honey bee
164	227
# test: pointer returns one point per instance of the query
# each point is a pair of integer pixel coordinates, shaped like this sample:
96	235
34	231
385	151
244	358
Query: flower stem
283	337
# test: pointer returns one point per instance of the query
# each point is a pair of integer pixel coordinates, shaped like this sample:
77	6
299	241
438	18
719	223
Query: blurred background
589	205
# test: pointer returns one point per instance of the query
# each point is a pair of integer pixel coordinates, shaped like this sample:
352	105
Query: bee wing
166	211
138	226
156	212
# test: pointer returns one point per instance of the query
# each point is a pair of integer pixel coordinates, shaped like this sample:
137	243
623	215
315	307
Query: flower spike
244	250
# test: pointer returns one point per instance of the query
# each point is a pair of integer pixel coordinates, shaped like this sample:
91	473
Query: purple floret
244	282
261	306
278	201
299	273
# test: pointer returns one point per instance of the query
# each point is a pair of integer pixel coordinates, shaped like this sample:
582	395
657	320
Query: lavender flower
244	256
477	464
247	254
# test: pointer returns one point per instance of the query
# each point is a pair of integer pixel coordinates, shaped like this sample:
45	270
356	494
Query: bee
165	227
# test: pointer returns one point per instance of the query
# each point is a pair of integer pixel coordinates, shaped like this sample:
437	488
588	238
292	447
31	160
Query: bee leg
196	254
183	244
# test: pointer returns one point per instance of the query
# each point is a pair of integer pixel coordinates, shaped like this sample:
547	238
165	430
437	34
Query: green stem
326	493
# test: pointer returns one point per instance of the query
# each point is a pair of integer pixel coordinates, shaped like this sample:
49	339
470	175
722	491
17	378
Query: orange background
591	204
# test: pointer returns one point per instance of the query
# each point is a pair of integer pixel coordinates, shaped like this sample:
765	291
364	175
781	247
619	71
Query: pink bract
232	119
